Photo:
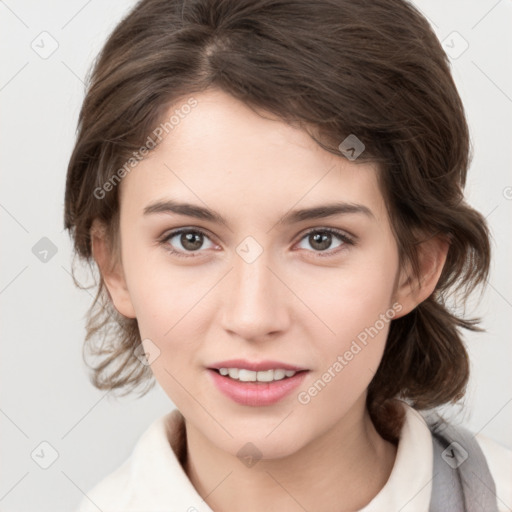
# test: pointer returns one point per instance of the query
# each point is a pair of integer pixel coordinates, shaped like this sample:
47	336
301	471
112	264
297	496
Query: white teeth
246	375
233	373
262	376
279	374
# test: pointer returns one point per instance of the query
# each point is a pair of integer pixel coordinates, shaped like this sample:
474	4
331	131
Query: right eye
186	240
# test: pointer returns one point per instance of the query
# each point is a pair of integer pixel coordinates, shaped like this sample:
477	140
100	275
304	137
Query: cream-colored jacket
152	478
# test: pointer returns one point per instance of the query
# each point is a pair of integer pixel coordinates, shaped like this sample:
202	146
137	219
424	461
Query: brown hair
373	68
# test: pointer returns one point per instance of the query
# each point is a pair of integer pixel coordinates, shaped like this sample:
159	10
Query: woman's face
275	280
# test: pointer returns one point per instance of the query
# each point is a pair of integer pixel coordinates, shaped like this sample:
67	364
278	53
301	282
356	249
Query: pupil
191	241
323	239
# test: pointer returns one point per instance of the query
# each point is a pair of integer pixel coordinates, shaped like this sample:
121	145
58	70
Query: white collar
159	479
409	485
153	478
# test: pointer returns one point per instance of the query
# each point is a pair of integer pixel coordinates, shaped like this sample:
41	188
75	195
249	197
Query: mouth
255	366
261	384
262	376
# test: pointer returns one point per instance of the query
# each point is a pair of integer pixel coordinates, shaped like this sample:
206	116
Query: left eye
321	239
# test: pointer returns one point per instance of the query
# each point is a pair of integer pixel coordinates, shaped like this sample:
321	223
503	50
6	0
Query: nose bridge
256	300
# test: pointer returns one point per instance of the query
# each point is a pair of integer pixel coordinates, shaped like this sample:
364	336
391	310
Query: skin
291	304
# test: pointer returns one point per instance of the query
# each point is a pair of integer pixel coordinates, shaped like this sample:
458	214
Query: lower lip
256	393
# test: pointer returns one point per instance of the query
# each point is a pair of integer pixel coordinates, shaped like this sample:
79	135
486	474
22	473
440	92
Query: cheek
167	312
359	316
170	305
350	300
356	310
161	293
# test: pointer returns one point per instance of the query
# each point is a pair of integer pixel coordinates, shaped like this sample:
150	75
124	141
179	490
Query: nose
257	302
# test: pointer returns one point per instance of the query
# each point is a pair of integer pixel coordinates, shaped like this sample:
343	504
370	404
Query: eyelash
347	241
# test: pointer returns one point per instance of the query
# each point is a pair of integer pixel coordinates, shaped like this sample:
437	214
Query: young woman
273	193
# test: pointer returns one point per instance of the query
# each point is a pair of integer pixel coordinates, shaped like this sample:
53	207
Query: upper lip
255	366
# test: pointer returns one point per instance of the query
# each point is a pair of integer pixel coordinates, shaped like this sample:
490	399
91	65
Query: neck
342	470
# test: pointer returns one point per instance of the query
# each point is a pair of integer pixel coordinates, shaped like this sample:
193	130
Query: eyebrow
294	216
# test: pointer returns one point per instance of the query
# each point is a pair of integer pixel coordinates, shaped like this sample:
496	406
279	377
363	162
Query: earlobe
111	271
431	259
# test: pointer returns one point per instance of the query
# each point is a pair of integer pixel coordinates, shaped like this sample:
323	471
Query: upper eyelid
329	229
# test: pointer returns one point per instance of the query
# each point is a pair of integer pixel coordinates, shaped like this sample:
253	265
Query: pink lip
254	366
256	393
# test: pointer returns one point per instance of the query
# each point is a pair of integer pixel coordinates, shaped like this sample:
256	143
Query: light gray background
46	395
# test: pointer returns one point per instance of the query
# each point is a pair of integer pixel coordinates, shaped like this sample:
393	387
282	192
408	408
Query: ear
432	255
111	271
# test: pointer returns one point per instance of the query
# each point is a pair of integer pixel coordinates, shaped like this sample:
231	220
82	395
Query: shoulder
497	457
499	460
119	490
416	430
109	491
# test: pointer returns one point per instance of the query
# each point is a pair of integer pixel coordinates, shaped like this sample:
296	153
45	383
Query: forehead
223	154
